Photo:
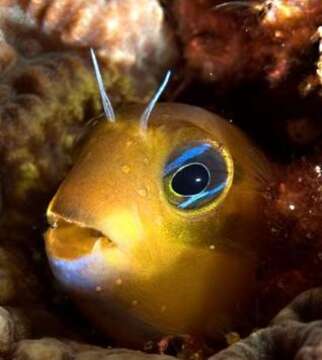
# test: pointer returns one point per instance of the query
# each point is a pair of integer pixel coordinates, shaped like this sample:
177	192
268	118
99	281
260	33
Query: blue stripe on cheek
83	273
184	157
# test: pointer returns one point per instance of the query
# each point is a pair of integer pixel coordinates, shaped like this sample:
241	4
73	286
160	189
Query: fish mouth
68	239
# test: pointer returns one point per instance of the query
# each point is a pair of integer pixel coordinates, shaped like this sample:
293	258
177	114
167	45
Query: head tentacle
107	105
147	112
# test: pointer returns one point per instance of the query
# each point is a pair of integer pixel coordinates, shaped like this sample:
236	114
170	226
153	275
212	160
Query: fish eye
191	179
197	175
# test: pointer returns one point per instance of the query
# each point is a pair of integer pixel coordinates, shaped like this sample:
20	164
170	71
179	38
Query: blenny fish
157	229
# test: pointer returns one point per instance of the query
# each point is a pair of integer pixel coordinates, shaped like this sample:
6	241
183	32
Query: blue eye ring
193	153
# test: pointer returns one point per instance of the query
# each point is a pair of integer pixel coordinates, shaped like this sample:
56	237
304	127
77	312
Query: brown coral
135	49
229	42
296	334
255	62
293	262
53	349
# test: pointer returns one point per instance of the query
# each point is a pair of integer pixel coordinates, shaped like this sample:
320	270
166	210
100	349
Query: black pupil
190	180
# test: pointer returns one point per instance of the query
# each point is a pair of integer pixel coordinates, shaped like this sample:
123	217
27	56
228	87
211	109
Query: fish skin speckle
119	281
142	192
125	169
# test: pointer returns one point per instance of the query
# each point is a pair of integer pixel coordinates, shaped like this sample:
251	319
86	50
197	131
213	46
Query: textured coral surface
230	42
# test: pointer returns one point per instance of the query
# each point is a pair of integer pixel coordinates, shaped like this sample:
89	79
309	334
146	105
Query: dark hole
190	180
28	83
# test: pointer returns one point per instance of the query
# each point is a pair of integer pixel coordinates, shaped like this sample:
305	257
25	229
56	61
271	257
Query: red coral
234	43
294	260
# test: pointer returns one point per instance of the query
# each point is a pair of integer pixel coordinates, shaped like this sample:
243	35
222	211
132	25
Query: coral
16	327
48	348
38	133
296	333
54	349
299	341
229	42
293	260
135	50
256	63
304	308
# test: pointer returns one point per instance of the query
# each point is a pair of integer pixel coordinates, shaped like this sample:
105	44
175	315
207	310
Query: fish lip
57	221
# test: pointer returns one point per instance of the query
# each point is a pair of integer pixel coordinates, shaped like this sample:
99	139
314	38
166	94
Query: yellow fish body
158	231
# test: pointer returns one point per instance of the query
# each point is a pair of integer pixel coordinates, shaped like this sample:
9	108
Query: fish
158	228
